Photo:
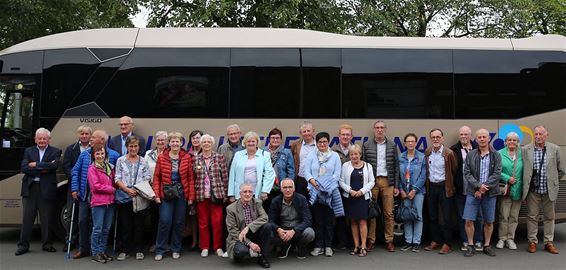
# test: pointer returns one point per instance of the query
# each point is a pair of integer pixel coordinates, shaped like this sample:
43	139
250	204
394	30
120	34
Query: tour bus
181	79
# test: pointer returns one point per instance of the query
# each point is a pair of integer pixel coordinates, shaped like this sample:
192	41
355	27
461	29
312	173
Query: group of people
272	197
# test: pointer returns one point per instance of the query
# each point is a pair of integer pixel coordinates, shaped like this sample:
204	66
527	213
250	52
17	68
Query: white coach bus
207	78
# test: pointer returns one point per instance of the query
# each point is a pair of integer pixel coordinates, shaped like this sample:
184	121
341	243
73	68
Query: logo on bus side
90	120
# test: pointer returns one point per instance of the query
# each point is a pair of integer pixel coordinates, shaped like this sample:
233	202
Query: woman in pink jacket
100	181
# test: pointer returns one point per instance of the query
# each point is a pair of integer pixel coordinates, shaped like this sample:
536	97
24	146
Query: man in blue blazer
39	190
118	142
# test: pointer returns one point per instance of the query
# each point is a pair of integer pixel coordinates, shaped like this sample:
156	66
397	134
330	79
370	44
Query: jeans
301	240
101	221
84	226
323	217
436	197
478	224
414	229
171	220
262	237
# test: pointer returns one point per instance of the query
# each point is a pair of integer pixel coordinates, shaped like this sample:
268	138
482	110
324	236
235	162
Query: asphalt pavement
377	259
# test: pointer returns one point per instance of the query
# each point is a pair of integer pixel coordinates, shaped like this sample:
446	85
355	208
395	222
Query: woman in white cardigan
357	180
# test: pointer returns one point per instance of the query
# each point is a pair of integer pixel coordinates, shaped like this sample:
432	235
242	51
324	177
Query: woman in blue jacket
412	176
282	162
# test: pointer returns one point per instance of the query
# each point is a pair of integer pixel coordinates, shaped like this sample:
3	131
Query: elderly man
461	150
543	167
291	220
233	145
441	166
482	172
118	142
39	190
80	190
301	149
382	154
70	157
249	233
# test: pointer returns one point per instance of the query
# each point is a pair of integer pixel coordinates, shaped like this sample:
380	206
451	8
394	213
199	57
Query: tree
21	20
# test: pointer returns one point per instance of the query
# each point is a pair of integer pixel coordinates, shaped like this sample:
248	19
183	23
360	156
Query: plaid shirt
247	214
484	168
217	172
541	186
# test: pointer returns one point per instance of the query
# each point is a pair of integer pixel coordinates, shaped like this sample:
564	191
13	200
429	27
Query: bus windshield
16	105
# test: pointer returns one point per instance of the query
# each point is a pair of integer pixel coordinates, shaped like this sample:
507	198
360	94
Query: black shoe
263	262
98	258
301	253
49	249
21	251
487	250
470	251
107	257
416	248
406	247
284	251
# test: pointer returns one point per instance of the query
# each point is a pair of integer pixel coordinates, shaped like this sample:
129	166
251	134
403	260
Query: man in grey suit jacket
39	190
249	233
118	142
542	169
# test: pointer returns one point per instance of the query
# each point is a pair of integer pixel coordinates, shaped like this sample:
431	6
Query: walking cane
70	230
115	232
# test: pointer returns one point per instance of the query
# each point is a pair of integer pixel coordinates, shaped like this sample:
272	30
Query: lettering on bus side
90	120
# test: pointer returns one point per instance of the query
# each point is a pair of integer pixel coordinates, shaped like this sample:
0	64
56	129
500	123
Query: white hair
43	131
206	137
161	133
233	126
249	136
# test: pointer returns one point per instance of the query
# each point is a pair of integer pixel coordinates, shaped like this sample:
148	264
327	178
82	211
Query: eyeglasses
435	137
275	138
410	141
322	142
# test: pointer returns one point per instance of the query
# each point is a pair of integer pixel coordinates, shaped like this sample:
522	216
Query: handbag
172	191
407	213
144	189
139	203
374	209
504	188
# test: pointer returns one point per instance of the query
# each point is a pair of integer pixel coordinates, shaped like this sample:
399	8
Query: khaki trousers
382	190
533	201
508	217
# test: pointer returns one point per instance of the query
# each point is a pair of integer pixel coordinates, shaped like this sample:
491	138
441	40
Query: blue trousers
414	229
101	221
171	219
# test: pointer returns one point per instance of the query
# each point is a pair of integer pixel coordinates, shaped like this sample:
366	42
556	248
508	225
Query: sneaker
464	246
253	254
225	255
176	255
328	252
500	244
406	247
284	251
470	251
140	256
122	256
317	251
98	258
220	252
301	253
487	250
511	244
479	246
107	257
204	253
158	257
416	248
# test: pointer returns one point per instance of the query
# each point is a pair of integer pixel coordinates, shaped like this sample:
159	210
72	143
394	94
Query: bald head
482	138
465	136
98	137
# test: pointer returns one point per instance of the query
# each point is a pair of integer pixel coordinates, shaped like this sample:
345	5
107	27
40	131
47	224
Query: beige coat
554	168
235	221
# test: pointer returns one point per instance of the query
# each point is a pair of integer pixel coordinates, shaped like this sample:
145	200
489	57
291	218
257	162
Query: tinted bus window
508	84
65	73
389	83
170	83
265	83
321	83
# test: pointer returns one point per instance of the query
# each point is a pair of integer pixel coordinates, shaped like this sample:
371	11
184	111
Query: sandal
363	252
354	251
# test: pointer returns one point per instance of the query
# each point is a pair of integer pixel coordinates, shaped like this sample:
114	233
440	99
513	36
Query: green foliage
21	20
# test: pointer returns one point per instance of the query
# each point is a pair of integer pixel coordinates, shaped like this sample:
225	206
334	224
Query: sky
140	20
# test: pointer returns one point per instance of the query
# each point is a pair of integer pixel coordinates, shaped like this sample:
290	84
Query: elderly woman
282	162
177	183
211	185
322	169
253	166
412	175
100	175
357	181
510	203
195	149
131	169
151	158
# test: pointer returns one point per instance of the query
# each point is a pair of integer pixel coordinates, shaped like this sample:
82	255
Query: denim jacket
417	169
284	165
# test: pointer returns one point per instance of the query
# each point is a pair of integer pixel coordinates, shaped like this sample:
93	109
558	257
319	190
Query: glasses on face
124	124
436	137
273	138
246	192
322	142
410	141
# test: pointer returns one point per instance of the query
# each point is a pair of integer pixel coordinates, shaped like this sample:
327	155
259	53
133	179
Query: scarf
103	166
322	159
